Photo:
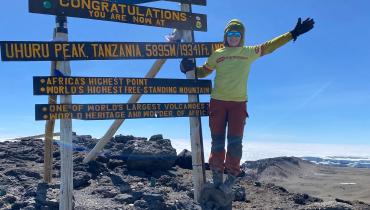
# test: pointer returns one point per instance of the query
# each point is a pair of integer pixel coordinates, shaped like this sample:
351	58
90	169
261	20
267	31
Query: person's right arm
203	71
187	64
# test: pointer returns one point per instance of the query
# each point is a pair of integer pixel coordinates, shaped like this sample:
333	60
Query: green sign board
117	85
63	51
119	111
120	12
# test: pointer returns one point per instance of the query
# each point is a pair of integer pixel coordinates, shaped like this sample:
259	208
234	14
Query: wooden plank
198	173
64	51
48	148
117	85
50	124
120	12
119	111
66	151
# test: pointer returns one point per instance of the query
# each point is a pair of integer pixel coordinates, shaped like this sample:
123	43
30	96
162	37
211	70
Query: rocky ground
137	173
326	182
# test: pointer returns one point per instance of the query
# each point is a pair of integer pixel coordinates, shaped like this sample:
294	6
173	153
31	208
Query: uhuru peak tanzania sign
119	111
120	12
117	85
62	51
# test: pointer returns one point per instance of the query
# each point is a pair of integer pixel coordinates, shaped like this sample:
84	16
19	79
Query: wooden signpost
119	111
117	85
60	52
196	136
63	51
120	12
52	99
66	152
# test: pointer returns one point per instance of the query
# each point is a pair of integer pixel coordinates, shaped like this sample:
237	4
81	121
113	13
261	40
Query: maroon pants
232	115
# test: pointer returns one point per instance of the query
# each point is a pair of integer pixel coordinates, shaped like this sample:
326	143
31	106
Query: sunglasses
234	34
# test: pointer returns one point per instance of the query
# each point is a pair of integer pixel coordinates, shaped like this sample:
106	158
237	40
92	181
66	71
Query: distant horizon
256	150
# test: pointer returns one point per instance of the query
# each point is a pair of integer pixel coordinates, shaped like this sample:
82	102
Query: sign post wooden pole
66	147
198	173
48	145
50	124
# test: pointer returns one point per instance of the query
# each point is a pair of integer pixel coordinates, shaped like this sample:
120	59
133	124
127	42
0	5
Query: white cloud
256	151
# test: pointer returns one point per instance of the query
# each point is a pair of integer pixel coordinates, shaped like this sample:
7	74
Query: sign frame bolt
47	4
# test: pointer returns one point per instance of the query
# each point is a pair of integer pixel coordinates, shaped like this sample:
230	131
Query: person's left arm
273	44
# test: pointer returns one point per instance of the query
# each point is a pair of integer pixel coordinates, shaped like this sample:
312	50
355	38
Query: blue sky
316	90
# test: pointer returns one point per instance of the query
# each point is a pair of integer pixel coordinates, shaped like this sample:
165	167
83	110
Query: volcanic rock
108	183
184	159
330	205
152	155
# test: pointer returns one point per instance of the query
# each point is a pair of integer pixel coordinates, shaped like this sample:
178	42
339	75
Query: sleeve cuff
207	68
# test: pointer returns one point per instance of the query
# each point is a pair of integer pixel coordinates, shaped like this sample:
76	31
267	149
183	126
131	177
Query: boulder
141	204
47	196
184	159
22	173
106	191
124	199
330	205
2	191
239	193
155	201
8	199
156	137
213	198
81	179
150	156
112	164
304	199
123	139
96	168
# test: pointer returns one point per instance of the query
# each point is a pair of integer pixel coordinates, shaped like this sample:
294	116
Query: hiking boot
227	186
218	178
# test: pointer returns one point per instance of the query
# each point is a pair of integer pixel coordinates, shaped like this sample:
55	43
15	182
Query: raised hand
302	27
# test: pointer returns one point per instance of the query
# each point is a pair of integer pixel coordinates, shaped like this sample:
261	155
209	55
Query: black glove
302	28
187	64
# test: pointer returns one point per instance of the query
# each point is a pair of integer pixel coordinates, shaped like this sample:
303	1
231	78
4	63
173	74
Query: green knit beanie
235	25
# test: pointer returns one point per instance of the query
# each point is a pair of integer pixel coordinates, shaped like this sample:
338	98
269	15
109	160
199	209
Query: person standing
228	104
